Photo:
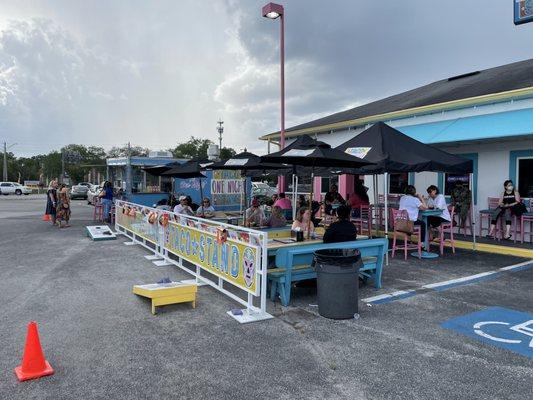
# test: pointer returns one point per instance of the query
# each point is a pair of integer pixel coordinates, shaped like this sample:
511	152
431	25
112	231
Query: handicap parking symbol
497	326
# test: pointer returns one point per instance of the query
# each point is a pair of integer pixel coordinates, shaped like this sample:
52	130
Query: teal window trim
411	178
474	158
513	161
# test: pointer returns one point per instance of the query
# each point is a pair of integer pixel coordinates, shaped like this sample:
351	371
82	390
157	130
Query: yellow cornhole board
167	293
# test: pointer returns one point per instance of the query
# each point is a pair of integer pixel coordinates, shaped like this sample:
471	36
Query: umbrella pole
386	191
472	213
375	187
294	195
201	198
311	203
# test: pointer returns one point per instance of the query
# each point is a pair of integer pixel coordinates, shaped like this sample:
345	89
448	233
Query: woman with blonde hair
303	221
63	207
276	219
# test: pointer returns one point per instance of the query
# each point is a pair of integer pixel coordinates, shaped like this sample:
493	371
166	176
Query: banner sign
523	11
227	187
359	152
234	261
142	224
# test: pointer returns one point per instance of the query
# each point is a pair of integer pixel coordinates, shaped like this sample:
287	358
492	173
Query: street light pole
5	158
274	11
220	130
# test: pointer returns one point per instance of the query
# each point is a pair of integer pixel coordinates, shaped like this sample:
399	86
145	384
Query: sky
154	73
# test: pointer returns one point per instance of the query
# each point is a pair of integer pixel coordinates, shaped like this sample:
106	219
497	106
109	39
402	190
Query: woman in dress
51	201
63	207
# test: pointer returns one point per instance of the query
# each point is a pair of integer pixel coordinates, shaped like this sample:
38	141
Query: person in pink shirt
283	202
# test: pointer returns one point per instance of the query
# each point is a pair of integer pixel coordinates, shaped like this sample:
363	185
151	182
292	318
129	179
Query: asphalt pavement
104	343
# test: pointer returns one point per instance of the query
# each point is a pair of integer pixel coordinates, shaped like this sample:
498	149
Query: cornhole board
100	232
163	294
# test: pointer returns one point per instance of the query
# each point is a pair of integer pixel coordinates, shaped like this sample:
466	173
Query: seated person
254	215
438	202
358	198
342	230
276	219
183	207
302	202
162	205
413	203
206	210
303	221
333	199
193	205
283	202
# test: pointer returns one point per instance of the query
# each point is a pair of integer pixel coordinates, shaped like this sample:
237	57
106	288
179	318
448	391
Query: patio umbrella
314	154
188	170
247	163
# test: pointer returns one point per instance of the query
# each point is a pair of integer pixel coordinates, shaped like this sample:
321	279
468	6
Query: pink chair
487	214
447	228
98	212
112	216
407	244
527	217
365	218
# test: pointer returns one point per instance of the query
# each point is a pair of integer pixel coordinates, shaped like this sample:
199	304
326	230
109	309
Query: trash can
337	282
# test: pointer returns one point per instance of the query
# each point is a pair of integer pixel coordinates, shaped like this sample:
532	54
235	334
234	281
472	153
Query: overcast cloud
156	72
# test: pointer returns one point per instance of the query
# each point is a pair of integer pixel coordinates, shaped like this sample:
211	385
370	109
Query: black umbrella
313	153
188	170
392	151
249	164
157	170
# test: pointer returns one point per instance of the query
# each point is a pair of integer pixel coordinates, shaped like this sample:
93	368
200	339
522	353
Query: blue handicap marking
497	326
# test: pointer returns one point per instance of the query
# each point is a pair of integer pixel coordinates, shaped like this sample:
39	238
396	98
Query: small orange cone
33	363
46	217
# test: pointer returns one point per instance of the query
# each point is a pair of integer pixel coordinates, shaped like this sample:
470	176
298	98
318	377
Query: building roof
512	80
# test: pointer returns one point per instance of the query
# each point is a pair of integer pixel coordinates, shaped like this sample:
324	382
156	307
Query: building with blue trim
486	116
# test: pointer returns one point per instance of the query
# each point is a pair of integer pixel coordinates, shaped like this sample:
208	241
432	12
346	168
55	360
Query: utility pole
5	161
5	158
220	130
128	172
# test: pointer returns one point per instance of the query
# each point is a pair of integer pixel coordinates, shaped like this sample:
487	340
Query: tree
227	152
193	148
123	151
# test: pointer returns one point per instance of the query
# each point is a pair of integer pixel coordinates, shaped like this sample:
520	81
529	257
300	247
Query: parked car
13	188
93	193
78	192
263	189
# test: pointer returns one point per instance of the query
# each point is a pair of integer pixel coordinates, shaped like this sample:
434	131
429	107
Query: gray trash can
337	282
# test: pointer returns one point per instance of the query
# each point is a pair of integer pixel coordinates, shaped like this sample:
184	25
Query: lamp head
272	11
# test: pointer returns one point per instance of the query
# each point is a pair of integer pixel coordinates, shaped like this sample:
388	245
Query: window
525	177
452	180
6	184
328	181
398	182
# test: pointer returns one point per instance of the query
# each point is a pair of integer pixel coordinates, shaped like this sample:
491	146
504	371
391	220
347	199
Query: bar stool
447	227
526	217
407	244
98	212
364	218
487	214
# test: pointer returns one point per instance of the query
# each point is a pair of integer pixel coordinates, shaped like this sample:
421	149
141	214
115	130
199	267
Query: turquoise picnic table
424	216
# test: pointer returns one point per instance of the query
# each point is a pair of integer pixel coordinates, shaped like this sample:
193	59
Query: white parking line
510	267
458	280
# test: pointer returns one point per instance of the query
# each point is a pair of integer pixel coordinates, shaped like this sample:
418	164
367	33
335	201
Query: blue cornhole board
100	232
497	326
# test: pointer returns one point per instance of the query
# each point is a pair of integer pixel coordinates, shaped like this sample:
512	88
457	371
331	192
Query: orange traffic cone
33	363
46	217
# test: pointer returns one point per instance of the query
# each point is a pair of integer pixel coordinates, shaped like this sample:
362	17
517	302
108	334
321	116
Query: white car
262	189
13	188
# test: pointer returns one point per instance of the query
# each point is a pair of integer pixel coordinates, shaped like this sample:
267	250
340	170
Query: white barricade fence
234	255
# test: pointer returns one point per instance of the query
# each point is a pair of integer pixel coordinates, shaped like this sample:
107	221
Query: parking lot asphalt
104	343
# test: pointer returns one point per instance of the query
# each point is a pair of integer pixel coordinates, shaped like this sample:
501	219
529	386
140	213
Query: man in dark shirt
342	230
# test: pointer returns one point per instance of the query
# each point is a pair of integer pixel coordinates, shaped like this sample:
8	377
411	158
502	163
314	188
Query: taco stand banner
236	255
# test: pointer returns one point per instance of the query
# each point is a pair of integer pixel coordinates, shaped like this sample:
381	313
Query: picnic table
424	216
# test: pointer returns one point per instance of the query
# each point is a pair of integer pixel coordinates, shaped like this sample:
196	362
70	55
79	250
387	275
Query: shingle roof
508	77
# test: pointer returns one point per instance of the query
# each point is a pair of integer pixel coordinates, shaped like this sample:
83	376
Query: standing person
283	202
303	221
63	207
437	201
341	230
51	201
508	200
106	196
358	198
461	200
413	203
